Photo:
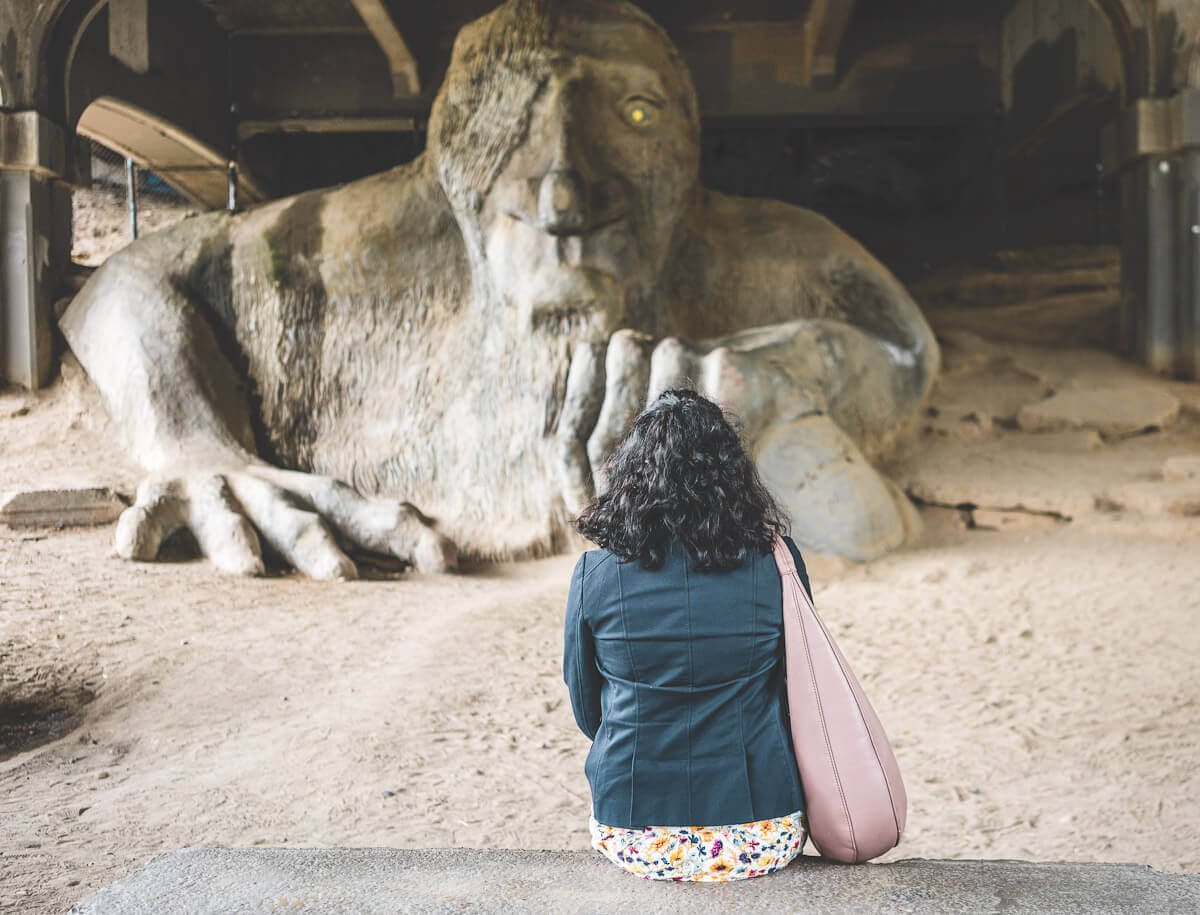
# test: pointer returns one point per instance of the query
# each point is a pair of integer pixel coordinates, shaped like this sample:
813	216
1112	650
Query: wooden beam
331	124
405	81
825	27
129	33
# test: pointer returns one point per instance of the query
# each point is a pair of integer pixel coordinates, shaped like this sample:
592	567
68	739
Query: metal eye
641	112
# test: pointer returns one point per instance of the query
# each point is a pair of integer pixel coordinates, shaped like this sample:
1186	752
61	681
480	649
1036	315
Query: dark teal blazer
678	678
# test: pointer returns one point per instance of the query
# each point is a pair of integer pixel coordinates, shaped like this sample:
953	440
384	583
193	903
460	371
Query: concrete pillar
1154	148
1187	283
35	243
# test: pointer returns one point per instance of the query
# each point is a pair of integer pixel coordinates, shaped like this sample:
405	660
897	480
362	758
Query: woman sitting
674	655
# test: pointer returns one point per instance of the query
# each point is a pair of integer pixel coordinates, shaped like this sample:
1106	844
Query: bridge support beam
1154	149
405	80
35	243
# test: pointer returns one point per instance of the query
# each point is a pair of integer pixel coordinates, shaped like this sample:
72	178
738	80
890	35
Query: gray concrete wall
1179	40
24	26
1068	42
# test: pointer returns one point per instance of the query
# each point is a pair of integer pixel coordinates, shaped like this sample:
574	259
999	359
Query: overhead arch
186	88
57	27
195	169
1134	44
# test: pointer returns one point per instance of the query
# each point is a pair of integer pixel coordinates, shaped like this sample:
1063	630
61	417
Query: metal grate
103	222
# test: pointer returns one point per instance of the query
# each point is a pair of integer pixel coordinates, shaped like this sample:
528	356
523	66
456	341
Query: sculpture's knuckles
627	376
305	518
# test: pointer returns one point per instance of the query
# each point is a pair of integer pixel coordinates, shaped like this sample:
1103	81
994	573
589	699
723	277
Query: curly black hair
681	472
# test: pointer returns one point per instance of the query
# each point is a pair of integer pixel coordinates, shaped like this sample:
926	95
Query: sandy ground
1038	680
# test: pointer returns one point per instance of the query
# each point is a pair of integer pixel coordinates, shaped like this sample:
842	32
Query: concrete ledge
60	507
385	880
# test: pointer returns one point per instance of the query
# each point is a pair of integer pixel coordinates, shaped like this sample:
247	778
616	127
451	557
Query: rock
824	568
996	392
1066	473
60	507
998	474
991	519
1114	412
963	351
1080	368
939	520
817	473
1160	527
1182	468
969	425
1069	441
1188	393
1158	497
1070	319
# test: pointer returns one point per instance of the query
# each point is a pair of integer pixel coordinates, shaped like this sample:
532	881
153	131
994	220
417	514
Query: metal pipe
1188	251
131	190
1161	332
233	183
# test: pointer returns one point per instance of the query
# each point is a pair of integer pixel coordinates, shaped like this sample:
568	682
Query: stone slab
1182	468
1114	412
1070	474
60	507
996	391
998	475
380	880
1158	497
994	520
1066	442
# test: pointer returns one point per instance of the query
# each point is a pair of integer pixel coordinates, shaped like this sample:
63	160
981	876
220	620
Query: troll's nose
563	202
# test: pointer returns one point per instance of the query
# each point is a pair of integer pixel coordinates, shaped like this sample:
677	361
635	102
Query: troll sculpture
471	332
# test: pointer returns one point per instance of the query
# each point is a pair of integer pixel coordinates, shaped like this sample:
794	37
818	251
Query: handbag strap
783	557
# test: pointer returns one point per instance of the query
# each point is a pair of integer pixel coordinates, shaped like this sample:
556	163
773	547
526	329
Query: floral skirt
703	853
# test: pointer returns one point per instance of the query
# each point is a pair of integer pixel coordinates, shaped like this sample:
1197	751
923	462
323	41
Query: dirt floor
100	220
1032	655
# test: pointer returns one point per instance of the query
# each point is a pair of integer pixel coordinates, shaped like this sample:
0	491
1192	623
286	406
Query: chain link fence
104	222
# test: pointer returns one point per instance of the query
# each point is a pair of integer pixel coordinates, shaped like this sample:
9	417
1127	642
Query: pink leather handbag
853	794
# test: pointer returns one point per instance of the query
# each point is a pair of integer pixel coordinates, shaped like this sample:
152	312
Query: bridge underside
926	127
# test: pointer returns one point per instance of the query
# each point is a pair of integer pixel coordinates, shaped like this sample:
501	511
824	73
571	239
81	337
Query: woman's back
673	654
678	676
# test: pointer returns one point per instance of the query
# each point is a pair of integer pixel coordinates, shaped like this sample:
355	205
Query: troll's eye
641	112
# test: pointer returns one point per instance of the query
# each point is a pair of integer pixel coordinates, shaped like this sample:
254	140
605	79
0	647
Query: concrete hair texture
502	108
499	65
